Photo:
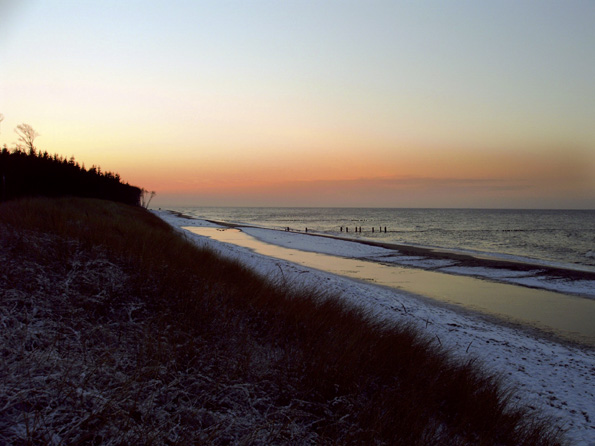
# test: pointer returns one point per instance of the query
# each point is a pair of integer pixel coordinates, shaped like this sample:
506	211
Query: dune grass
116	330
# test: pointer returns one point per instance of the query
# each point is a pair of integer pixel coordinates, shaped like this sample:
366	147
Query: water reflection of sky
567	316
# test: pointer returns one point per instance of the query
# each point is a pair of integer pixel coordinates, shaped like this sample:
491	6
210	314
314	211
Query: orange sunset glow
387	104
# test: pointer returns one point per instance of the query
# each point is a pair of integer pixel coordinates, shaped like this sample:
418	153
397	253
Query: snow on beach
557	379
327	245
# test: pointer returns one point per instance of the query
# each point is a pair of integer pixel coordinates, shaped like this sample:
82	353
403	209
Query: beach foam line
436	257
575	280
553	278
474	259
463	255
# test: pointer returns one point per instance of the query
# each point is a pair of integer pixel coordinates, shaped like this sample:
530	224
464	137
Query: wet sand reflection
567	316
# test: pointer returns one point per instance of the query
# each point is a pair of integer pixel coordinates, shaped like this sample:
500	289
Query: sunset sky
312	103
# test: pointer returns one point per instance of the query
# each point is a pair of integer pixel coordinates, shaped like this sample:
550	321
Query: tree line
25	171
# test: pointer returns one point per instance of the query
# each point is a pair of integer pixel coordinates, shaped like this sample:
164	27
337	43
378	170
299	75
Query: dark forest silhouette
27	172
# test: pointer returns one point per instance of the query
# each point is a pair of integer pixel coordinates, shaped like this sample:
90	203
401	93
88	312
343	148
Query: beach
548	374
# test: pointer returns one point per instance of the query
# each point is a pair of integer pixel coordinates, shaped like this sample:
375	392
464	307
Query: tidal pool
567	316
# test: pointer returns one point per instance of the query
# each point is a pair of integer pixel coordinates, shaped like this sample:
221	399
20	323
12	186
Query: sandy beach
549	375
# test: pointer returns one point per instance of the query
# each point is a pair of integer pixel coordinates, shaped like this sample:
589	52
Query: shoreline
554	315
464	260
470	260
549	374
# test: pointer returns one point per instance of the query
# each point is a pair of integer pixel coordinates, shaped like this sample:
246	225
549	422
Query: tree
146	197
27	135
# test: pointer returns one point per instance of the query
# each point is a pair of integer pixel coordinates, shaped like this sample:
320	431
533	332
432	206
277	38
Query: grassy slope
116	330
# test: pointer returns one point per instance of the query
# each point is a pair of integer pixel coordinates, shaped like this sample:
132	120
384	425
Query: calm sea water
564	237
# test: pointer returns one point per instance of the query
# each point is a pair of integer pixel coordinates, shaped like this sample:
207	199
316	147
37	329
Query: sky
437	103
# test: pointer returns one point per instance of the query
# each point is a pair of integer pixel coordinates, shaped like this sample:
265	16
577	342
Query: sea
563	238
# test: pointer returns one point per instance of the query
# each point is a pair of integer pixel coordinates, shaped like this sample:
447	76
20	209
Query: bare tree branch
146	197
27	136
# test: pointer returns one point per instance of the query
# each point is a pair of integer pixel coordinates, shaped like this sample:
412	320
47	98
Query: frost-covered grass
115	330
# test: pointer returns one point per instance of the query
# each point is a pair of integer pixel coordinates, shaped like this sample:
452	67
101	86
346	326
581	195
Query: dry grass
115	330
